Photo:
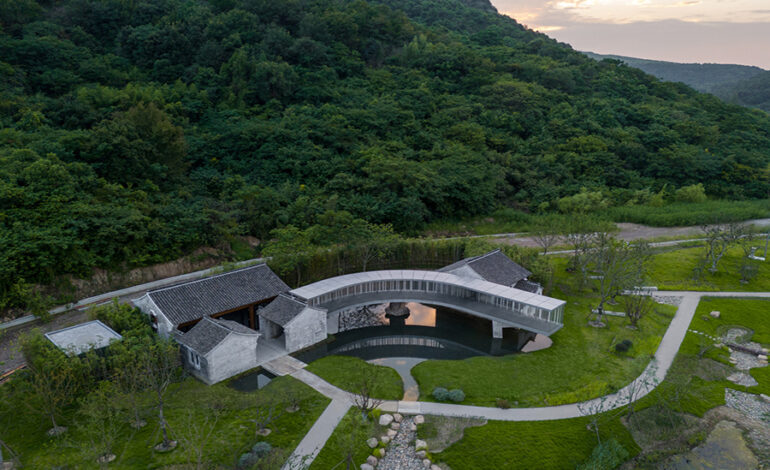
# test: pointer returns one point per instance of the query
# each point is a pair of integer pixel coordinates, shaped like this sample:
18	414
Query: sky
715	31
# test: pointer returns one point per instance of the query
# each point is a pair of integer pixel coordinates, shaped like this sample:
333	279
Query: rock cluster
404	452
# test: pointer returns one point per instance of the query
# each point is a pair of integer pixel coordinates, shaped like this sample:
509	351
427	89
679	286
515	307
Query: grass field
349	438
188	404
673	214
346	372
531	445
581	363
674	269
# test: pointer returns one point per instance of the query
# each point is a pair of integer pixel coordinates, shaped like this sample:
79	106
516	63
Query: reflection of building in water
420	314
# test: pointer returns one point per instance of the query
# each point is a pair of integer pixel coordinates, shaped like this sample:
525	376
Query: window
194	358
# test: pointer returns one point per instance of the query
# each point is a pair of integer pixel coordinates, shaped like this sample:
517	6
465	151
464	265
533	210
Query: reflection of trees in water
360	317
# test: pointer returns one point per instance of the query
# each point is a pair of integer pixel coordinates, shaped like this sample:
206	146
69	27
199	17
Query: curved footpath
654	374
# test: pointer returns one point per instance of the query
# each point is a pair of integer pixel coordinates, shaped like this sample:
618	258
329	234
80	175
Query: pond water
424	332
252	381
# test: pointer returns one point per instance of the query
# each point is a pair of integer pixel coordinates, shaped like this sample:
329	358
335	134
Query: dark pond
252	381
425	332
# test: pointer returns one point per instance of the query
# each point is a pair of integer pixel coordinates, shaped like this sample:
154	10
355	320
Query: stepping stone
386	419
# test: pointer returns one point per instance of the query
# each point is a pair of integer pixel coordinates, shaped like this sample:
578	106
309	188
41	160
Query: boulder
435	467
715	314
419	419
412	427
386	419
381	452
395	425
372	442
419	444
420	453
392	433
372	460
397	417
426	463
384	439
762	357
366	466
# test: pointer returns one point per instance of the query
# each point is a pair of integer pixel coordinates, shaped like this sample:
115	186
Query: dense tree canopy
133	132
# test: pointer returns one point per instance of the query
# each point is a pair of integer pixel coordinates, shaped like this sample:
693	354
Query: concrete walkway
316	438
638	388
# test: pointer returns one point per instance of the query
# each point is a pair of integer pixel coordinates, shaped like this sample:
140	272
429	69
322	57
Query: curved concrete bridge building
505	307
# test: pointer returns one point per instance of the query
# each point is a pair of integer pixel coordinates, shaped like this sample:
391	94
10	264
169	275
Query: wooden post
252	319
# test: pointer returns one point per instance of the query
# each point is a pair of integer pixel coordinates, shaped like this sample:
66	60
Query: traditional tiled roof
528	286
283	309
205	297
208	333
493	267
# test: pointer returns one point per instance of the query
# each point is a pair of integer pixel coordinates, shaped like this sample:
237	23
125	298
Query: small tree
6	416
101	422
548	232
355	432
288	251
196	430
720	238
365	388
593	410
620	266
637	307
161	365
53	379
372	242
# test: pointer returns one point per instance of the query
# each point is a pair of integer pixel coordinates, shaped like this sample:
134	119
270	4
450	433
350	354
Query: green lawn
349	438
693	385
673	270
581	363
187	402
561	444
346	372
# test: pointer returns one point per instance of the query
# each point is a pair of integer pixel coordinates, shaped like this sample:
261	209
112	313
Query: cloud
723	31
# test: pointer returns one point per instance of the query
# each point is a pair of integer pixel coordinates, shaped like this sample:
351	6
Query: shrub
375	414
261	449
502	403
246	460
605	456
692	193
121	317
623	346
440	393
456	395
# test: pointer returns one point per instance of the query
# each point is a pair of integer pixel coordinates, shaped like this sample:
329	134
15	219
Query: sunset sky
721	31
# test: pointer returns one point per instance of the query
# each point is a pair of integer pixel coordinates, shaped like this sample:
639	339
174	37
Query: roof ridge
205	278
293	297
476	258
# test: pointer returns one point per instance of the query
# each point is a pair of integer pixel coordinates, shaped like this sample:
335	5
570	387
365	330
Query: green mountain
133	132
739	84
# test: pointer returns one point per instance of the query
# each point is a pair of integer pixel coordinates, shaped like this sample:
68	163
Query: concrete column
497	329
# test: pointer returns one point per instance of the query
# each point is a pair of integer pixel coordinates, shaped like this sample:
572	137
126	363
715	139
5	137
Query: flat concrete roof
331	284
83	337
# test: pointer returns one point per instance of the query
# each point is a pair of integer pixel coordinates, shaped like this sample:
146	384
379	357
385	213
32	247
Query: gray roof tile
208	333
205	297
494	266
283	309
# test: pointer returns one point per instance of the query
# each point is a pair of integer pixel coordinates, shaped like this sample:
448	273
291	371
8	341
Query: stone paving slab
307	450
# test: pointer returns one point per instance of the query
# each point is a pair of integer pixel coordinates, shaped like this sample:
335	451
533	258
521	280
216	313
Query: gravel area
746	361
667	299
752	405
401	454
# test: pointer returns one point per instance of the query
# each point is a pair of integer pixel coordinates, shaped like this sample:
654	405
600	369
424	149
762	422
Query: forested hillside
738	84
132	132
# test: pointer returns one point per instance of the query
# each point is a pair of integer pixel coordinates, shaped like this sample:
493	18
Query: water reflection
252	381
414	330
